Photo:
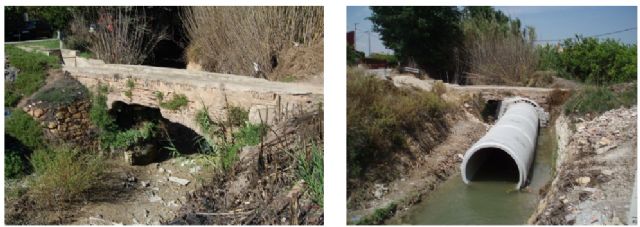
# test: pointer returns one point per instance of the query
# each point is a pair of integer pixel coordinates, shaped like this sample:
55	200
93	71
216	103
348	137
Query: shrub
127	37
178	101
439	88
353	56
598	99
380	116
13	165
62	174
215	143
237	115
311	169
24	128
592	61
126	139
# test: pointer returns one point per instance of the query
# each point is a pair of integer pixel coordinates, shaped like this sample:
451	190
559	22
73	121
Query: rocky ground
595	171
128	194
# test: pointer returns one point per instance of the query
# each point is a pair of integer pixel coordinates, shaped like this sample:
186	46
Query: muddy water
487	202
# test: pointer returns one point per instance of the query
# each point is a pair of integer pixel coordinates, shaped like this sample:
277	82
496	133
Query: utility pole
355	35
369	33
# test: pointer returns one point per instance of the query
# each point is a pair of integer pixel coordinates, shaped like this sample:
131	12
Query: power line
591	36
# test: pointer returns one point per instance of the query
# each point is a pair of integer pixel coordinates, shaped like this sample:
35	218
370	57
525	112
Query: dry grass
232	39
498	54
123	35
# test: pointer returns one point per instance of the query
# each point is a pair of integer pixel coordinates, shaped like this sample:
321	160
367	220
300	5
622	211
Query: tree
353	55
429	36
56	16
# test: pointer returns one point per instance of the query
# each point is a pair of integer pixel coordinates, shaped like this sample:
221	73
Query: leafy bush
389	58
425	35
380	116
178	101
311	170
597	99
24	128
215	142
63	173
99	116
13	165
132	136
353	56
591	60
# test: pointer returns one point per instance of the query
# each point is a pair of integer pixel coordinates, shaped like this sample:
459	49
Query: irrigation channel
491	201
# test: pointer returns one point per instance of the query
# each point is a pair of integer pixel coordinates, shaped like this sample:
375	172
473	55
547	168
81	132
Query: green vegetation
380	116
125	139
389	58
62	174
237	115
24	128
13	165
216	142
129	91
426	35
33	68
62	92
353	56
159	96
591	60
178	101
379	215
46	44
311	170
99	116
597	99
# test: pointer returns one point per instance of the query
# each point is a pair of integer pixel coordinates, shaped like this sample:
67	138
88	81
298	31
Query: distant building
351	38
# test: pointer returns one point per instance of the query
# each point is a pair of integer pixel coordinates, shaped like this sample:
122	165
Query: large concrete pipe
512	139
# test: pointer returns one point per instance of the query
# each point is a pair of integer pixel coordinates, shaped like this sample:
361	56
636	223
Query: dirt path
432	169
141	194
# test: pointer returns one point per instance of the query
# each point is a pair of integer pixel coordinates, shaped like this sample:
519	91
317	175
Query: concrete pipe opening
492	164
505	153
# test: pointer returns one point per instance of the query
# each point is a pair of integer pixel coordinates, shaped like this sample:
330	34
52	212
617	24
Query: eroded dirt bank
595	171
428	170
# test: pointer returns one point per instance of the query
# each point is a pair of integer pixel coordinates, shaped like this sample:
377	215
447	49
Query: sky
550	22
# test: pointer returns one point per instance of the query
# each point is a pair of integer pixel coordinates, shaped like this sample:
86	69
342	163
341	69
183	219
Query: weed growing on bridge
159	96
178	101
129	91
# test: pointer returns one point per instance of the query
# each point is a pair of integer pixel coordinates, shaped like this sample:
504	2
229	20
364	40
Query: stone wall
68	124
213	90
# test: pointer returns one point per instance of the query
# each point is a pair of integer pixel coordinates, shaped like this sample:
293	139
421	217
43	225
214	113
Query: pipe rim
522	172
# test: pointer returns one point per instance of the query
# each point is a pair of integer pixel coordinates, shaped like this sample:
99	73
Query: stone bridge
487	92
266	100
